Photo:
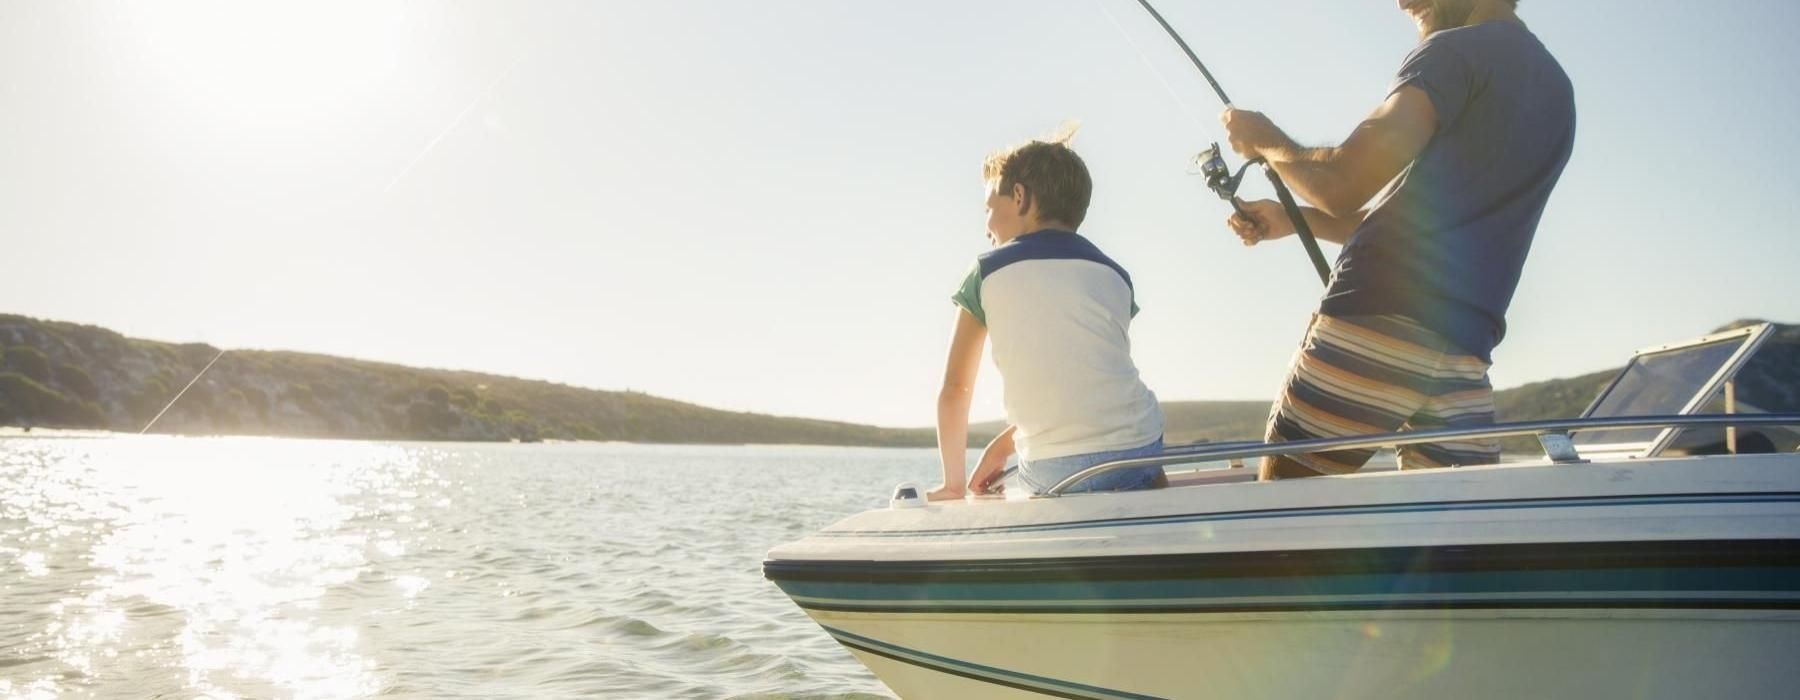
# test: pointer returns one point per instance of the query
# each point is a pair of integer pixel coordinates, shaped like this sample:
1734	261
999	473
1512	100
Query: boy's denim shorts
1039	475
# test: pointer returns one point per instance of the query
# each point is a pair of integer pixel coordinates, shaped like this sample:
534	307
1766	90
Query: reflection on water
137	567
219	552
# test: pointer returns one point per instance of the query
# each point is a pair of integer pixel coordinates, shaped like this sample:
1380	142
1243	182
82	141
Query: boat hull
1513	653
1662	578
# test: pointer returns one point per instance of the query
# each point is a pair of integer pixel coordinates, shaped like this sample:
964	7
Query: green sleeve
968	296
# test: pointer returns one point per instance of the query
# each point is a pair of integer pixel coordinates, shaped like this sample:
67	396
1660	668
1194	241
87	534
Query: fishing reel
1225	183
1211	164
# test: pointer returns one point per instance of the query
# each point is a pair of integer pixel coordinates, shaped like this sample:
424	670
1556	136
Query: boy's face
1005	221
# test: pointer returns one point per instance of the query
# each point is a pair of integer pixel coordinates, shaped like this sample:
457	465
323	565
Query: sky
765	206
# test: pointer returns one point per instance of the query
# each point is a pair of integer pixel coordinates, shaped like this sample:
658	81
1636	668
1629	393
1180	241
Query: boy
1059	312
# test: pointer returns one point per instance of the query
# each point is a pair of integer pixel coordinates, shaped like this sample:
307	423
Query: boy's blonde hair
1055	179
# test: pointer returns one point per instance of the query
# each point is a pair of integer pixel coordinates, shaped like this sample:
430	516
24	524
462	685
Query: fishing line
454	122
1219	176
1144	57
183	392
1184	49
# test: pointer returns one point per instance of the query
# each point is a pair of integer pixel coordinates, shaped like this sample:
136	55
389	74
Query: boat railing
1555	436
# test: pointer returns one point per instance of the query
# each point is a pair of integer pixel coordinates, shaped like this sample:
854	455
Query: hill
57	374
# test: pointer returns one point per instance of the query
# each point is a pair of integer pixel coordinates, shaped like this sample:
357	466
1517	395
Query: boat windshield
1670	380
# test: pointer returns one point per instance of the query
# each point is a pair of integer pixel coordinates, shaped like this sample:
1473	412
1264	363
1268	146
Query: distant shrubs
146	400
302	395
76	380
429	420
24	401
29	362
1557	398
255	399
29	392
200	353
326	392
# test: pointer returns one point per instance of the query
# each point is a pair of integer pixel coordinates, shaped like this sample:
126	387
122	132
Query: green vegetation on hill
56	374
1213	421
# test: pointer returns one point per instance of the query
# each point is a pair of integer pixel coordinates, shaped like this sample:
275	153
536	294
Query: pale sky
765	205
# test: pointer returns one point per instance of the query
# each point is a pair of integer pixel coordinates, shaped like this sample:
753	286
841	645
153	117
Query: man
1468	145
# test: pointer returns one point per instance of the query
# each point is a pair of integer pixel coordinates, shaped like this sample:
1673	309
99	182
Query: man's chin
1424	21
1428	24
1431	21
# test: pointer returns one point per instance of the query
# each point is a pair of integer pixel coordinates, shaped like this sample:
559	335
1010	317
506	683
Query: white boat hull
1394	654
1672	578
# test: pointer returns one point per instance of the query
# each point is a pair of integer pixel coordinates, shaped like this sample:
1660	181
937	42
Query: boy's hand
987	472
945	492
993	462
1268	221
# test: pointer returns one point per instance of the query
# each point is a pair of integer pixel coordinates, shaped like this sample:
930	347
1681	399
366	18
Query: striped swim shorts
1358	375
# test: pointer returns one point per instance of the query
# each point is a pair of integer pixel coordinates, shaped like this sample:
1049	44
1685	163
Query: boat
1639	556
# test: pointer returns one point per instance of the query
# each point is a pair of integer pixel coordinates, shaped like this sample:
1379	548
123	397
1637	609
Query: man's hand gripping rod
1225	183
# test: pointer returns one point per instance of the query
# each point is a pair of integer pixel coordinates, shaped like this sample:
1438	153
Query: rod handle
1300	225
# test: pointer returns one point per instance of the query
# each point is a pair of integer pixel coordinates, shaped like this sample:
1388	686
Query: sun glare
231	547
266	70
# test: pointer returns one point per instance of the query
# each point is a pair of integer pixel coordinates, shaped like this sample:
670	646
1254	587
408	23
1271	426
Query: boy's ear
1022	197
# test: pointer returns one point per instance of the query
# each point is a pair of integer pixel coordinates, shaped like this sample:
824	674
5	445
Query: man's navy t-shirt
1446	243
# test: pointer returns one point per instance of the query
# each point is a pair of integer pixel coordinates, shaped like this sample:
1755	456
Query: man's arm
953	404
1341	180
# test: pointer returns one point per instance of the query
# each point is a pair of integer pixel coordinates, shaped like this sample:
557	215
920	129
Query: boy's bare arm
954	398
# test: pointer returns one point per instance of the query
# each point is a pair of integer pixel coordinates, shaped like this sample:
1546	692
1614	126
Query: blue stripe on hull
1771	588
1698	574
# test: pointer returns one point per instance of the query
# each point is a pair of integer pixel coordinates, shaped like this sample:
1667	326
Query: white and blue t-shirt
1058	314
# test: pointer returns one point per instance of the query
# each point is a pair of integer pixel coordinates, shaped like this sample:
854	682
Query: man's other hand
1267	221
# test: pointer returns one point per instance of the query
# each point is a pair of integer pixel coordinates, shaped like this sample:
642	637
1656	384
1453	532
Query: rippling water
168	567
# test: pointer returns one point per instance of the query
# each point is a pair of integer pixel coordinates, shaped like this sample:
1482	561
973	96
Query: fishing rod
1223	182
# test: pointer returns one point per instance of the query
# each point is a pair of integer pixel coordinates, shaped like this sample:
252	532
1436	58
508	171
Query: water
178	568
